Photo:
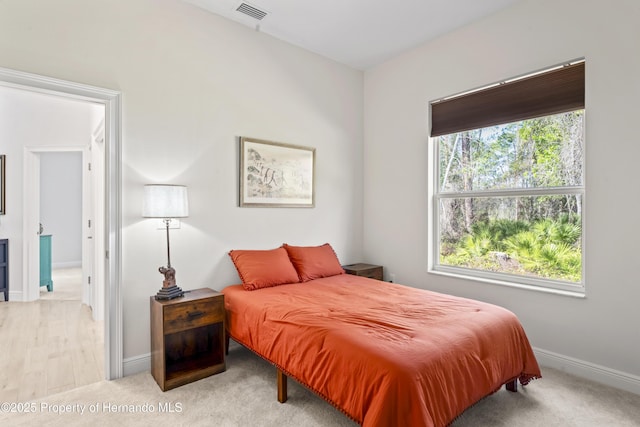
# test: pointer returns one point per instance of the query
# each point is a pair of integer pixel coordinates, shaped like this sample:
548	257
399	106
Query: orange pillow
314	262
264	269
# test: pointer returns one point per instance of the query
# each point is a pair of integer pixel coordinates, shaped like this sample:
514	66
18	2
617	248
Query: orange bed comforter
384	354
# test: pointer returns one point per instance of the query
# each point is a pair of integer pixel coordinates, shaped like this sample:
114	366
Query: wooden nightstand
365	270
187	338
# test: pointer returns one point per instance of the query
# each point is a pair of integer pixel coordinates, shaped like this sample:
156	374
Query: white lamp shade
165	201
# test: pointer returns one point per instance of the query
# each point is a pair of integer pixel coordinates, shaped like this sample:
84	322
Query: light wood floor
50	345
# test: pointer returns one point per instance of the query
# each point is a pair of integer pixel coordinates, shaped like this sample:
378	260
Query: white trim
136	364
15	296
513	192
113	239
30	220
452	272
112	101
588	370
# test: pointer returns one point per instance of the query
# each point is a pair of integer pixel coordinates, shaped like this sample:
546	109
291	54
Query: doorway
109	252
67	189
61	223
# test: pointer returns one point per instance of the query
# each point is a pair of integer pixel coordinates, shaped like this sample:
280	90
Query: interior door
98	222
88	225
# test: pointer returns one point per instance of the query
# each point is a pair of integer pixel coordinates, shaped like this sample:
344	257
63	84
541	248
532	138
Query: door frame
113	330
92	210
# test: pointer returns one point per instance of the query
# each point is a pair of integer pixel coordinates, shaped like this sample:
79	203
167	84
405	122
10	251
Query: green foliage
498	231
544	152
536	233
544	248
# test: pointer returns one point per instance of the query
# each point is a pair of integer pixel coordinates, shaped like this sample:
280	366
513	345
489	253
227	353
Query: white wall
34	121
191	84
61	205
602	329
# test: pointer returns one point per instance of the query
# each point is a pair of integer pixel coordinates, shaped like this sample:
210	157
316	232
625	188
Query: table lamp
166	202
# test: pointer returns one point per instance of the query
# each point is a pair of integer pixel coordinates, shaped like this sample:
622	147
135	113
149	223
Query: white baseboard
135	365
66	264
15	296
588	370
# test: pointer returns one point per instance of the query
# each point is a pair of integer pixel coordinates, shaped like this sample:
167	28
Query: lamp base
169	292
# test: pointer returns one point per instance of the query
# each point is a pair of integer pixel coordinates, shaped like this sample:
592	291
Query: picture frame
2	184
274	174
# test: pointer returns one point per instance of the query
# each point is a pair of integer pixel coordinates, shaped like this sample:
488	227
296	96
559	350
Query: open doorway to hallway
70	191
109	252
56	344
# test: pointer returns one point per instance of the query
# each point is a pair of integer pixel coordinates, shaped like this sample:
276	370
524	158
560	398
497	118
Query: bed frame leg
282	387
226	343
512	385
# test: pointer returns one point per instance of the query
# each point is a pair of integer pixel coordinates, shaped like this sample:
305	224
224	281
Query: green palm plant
475	246
545	248
523	243
567	233
544	229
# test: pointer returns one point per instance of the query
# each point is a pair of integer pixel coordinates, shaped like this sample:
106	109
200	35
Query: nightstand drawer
373	274
193	314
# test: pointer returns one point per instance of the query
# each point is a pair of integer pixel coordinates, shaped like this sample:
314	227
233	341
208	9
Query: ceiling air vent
251	11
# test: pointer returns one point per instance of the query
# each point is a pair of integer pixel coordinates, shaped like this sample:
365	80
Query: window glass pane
536	236
535	153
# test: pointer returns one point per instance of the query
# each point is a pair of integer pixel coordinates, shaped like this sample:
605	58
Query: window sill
452	273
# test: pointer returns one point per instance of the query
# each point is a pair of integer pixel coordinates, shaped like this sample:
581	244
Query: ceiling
358	33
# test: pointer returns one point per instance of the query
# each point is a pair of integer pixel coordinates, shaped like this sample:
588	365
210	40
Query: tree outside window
510	198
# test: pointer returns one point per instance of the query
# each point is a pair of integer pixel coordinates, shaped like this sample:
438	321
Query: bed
382	353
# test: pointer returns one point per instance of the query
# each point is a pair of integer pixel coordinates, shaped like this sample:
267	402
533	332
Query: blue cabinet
4	268
45	262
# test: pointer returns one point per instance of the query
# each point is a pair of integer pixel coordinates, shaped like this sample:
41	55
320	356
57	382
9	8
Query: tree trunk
467	178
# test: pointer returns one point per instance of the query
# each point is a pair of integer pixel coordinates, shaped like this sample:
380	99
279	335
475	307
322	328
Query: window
508	189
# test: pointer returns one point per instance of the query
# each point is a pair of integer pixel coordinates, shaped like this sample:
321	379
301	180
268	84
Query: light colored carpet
245	395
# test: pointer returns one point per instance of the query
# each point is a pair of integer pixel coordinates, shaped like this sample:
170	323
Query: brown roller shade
552	92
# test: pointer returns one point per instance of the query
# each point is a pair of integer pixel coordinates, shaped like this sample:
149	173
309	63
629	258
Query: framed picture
273	174
2	180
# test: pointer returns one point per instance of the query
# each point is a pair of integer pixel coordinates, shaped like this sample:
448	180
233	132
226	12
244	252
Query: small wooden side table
187	337
365	270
